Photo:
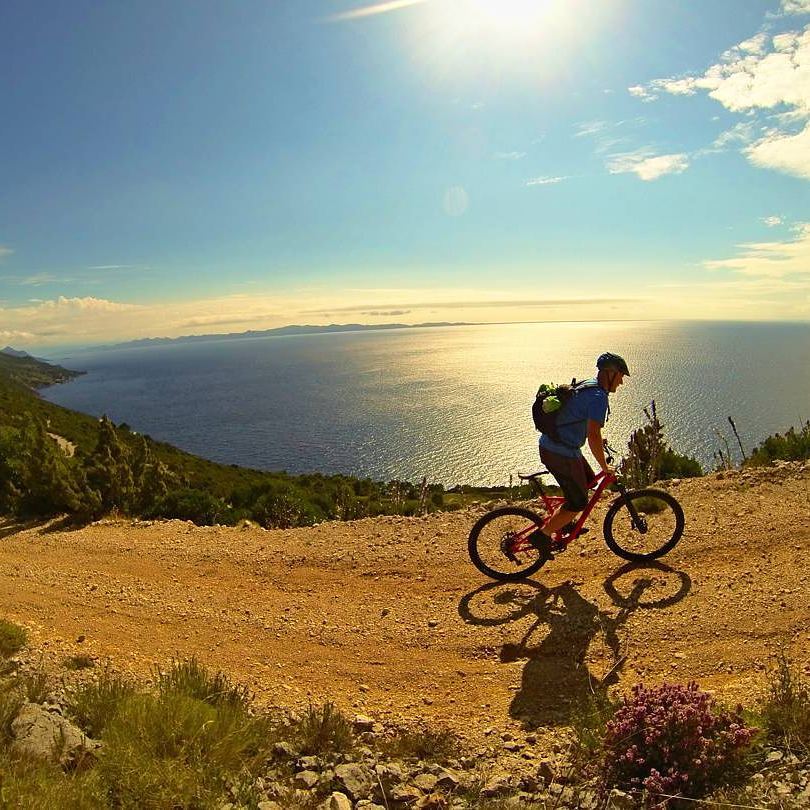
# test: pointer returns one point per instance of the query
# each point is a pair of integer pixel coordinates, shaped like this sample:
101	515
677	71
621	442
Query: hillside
25	370
387	616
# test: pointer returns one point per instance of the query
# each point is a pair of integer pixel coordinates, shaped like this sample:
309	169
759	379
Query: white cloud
796	6
789	154
545	181
772	222
767	77
87	304
509	155
5	251
647	165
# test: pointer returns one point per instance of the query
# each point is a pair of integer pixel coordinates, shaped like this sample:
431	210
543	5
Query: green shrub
192	679
786	707
95	703
195	505
793	445
12	638
323	729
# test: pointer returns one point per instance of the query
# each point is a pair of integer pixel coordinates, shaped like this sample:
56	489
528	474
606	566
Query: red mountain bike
641	524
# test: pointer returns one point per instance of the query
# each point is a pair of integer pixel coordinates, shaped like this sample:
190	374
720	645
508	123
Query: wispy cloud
37	280
115	267
767	77
545	181
590	128
785	259
647	165
469	304
509	155
13	334
372	10
5	251
772	222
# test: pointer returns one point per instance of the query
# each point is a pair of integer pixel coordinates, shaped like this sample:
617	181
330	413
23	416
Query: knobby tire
484	539
664	515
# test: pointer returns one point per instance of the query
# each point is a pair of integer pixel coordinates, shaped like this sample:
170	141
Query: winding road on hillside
387	616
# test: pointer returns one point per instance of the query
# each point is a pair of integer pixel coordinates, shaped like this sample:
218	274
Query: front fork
637	520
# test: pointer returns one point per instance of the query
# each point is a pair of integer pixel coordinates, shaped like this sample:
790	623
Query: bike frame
521	542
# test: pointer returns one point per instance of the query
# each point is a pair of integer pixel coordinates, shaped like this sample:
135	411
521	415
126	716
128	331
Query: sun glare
501	28
510	13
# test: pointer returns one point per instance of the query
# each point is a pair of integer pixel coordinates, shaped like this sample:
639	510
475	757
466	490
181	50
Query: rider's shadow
557	678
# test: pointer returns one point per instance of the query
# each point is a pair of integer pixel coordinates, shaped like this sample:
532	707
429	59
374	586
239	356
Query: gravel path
387	616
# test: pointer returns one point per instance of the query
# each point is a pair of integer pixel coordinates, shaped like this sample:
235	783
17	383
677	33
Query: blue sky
177	168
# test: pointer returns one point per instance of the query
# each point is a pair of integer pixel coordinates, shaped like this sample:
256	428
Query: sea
451	403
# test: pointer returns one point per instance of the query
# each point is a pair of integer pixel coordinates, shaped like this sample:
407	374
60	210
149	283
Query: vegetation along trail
387	616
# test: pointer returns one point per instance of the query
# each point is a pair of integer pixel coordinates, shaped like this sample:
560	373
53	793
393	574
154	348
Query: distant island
280	331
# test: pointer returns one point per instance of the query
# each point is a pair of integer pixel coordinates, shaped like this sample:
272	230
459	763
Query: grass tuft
172	750
94	704
80	661
35	685
323	729
192	679
429	745
786	707
12	638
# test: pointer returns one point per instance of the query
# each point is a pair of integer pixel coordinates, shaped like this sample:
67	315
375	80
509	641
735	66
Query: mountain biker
581	418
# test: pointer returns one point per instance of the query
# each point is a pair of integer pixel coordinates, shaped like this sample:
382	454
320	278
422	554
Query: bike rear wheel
496	546
643	524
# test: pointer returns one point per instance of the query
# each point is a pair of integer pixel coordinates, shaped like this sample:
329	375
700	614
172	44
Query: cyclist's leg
572	476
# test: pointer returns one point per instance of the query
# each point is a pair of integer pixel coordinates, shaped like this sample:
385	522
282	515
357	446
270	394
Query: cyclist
581	418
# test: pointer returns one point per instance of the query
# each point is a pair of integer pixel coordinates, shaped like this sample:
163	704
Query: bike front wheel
643	524
499	547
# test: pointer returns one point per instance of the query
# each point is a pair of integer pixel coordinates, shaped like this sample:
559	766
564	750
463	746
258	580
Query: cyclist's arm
596	444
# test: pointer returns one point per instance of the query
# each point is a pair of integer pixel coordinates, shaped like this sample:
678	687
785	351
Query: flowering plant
671	740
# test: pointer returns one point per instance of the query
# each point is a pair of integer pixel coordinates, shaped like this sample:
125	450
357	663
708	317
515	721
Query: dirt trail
388	617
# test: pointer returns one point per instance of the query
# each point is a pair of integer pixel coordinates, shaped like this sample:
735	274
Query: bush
195	505
671	740
793	445
786	707
323	729
94	704
12	638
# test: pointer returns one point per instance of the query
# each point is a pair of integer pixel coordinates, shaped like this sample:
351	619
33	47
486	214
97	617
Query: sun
497	23
508	14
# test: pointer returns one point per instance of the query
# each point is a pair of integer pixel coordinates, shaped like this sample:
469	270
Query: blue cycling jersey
589	402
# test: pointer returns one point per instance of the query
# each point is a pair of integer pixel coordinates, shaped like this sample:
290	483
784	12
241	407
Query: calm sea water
450	403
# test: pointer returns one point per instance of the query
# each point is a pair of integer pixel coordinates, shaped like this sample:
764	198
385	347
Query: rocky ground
387	617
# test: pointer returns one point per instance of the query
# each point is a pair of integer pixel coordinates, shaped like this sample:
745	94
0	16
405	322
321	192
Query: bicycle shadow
557	677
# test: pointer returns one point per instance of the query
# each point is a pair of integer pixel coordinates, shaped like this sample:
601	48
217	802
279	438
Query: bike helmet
610	360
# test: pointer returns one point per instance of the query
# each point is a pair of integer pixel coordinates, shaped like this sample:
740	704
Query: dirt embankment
387	616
